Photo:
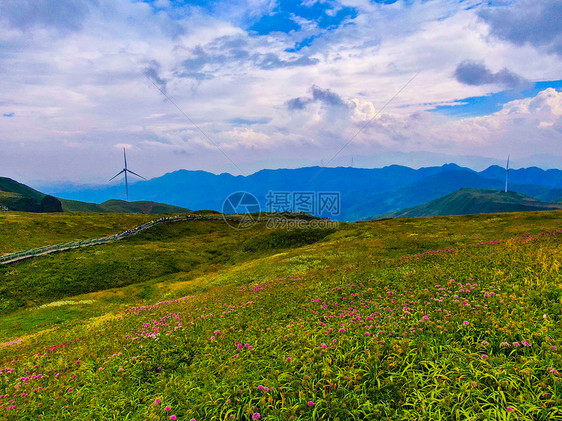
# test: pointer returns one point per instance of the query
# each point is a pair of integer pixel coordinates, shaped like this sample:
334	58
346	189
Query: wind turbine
506	171
125	171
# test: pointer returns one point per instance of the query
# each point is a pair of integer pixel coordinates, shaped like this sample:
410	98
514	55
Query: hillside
363	192
473	201
121	206
394	320
19	197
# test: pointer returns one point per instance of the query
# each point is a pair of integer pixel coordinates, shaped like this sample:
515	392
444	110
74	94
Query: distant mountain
19	197
473	201
531	175
439	185
363	192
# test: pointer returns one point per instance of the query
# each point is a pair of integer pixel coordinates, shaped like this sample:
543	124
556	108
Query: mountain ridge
363	192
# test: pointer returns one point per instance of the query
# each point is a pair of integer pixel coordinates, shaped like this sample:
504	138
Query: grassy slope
23	230
275	300
121	206
474	201
77	206
9	185
140	207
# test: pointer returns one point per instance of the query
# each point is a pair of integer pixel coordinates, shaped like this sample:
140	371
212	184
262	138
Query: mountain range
363	193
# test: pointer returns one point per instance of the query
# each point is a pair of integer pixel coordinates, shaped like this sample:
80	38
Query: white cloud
86	85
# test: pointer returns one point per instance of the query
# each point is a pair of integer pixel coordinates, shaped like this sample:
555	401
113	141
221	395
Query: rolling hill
468	201
19	197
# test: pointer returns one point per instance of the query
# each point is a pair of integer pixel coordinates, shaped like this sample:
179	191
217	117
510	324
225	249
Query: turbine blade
125	158
119	173
134	173
507	167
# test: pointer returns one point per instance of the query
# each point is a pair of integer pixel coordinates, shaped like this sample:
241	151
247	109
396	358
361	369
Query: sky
235	87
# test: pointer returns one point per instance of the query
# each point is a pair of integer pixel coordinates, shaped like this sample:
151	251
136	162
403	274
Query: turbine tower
506	171
125	171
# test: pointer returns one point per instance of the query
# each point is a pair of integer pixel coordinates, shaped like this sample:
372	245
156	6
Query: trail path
27	254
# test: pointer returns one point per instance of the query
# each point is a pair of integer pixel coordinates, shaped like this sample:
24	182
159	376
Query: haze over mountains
364	193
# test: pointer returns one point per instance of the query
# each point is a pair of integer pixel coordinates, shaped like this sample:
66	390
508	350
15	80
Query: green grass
229	324
23	231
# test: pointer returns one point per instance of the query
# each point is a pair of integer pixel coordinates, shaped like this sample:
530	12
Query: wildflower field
446	318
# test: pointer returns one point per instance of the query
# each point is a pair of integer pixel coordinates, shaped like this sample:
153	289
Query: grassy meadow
445	318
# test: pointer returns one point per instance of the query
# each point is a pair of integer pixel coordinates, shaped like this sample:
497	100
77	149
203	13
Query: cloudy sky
237	86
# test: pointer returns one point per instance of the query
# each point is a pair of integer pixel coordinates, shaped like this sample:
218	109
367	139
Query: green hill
443	318
474	201
12	186
19	197
146	207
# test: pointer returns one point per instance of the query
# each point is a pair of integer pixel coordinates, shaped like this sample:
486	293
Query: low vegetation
425	319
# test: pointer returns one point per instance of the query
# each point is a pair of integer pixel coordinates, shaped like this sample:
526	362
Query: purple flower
256	416
310	403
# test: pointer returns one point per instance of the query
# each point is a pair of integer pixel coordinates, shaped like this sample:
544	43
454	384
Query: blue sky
240	86
492	103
